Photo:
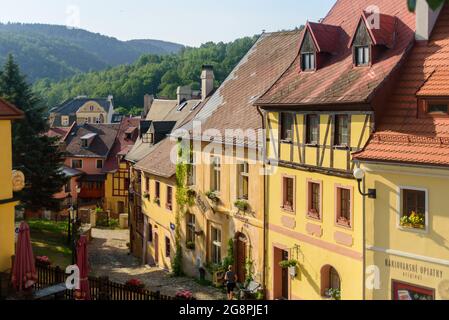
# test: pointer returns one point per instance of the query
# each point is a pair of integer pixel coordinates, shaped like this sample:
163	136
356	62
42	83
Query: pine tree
37	155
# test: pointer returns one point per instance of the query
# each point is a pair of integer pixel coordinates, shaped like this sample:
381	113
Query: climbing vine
182	201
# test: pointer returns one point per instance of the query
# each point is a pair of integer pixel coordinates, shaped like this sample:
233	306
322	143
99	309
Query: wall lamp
359	174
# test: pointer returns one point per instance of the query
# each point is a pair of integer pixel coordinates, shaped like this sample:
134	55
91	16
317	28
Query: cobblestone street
108	256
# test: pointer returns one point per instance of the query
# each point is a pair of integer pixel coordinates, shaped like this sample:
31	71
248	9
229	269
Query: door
156	248
280	275
285	277
241	257
120	207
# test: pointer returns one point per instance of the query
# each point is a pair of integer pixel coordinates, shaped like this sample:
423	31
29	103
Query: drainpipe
265	191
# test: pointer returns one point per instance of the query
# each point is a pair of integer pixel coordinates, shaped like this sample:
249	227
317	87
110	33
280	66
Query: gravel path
108	256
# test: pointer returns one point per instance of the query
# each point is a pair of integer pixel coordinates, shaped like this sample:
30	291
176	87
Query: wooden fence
100	288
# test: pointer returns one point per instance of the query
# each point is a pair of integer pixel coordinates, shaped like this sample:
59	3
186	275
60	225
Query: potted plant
242	205
157	201
134	285
313	213
334	294
414	220
290	265
146	195
212	195
190	245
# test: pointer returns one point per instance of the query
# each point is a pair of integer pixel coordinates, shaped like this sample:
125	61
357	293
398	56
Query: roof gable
380	28
325	37
9	111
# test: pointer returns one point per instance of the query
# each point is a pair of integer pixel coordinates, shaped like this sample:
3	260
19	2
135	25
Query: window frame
169	198
285	208
214	244
338	135
369	56
96	163
65	121
339	222
312	62
190	228
424	104
283	132
399	210
167	247
215	174
309	130
241	176
157	191
80	161
309	214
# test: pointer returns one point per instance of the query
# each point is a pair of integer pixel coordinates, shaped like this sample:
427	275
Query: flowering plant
43	260
134	284
416	220
334	293
184	295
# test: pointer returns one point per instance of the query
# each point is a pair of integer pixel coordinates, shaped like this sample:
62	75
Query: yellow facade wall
316	249
6	210
415	257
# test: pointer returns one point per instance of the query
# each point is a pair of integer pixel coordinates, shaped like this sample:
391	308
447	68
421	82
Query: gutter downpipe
265	185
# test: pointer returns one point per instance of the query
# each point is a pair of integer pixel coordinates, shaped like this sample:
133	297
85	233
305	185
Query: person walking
231	279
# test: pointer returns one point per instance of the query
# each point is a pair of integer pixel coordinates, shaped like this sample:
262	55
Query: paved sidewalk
108	256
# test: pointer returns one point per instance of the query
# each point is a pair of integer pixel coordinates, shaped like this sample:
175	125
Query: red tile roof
339	81
324	36
122	145
402	136
158	161
9	111
385	34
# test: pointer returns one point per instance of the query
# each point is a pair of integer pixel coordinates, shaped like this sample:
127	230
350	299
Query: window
148	138
314	201
169	201
85	143
216	246
150	233
286	127
308	61
68	187
215	174
167	247
99	164
91	108
362	55
157	191
243	180
77	164
413	213
344	207
120	186
147	185
342	130
191	177
65	121
288	190
330	282
312	127
190	230
439	108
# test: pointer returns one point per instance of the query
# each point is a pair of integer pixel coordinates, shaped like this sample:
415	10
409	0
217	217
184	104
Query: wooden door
241	257
285	277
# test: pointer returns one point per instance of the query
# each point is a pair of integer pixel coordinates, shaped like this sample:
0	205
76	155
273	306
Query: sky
189	22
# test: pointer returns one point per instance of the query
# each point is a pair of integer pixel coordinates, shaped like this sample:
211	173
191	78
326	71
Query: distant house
82	110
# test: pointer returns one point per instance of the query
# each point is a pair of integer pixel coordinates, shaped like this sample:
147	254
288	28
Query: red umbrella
81	260
24	274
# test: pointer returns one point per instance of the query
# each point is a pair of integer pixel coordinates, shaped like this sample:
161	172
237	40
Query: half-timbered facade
319	112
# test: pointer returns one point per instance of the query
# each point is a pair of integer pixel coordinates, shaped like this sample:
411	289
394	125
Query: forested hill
57	52
153	74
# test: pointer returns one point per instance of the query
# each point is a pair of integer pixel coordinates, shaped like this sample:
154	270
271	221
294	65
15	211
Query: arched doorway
241	243
330	281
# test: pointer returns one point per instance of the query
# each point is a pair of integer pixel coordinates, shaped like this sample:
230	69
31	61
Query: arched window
330	279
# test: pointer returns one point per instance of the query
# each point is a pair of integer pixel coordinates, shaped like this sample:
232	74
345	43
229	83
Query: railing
100	288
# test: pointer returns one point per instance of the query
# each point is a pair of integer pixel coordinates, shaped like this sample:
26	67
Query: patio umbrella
81	261
24	274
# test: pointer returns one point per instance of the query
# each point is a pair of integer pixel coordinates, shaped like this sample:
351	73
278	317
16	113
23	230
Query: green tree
37	154
434	4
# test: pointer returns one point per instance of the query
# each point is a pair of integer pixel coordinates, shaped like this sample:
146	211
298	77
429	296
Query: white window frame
216	244
215	173
399	209
65	120
240	177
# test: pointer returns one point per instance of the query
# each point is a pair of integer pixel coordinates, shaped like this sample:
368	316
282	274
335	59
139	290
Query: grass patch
49	238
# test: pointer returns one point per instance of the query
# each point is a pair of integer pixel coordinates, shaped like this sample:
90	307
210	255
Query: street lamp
359	175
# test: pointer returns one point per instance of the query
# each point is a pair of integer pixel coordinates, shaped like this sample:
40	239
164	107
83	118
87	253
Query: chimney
147	102
184	93
110	97
425	20
207	81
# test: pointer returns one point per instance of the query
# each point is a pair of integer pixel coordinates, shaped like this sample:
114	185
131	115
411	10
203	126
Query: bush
212	196
242	205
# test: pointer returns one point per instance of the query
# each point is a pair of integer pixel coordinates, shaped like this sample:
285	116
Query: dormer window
362	55
308	61
85	143
438	108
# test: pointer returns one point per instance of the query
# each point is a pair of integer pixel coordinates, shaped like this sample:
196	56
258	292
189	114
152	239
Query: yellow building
322	109
7	202
406	162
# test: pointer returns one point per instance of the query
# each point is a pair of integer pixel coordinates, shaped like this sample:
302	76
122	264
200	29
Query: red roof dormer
318	40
